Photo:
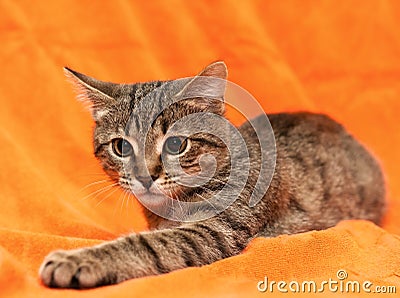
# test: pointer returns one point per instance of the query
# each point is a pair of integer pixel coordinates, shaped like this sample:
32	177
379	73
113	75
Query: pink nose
147	181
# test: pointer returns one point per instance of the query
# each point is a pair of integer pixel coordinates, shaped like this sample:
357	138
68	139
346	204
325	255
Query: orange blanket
340	58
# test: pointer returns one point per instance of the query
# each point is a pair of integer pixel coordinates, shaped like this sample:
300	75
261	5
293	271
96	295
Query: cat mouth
149	199
155	196
152	197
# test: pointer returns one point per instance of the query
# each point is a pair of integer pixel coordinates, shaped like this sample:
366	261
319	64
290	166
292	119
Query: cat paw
71	269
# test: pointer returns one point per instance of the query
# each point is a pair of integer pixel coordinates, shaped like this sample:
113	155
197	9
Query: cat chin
152	200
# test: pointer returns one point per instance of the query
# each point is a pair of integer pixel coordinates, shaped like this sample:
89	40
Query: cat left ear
210	84
95	94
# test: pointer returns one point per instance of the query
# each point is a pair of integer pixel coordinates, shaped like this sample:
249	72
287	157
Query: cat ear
217	70
207	89
96	95
210	83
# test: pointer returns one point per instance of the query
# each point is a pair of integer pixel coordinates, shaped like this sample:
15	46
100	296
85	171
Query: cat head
140	137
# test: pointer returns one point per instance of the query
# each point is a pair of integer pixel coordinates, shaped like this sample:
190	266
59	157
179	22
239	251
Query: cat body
322	175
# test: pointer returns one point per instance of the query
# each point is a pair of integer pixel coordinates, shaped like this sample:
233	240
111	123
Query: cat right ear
206	90
96	95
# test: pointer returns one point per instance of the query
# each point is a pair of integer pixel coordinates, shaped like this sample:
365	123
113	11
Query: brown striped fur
322	175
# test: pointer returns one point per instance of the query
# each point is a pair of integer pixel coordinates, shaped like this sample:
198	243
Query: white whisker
98	192
118	202
107	196
95	183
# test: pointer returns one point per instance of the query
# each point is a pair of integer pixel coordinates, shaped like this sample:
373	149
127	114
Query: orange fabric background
336	57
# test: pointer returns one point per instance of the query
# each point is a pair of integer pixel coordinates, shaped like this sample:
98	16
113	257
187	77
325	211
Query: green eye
175	145
121	147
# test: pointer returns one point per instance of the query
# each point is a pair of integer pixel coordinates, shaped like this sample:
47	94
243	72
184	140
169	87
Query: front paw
71	269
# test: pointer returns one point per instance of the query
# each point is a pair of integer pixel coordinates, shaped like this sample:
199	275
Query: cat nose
147	181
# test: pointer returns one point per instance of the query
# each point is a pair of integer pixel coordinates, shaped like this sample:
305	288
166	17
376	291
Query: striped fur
322	176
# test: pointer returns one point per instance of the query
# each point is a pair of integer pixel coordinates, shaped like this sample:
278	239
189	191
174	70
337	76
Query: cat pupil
175	145
122	147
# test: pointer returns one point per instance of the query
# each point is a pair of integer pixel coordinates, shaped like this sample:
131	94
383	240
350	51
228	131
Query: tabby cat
322	175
